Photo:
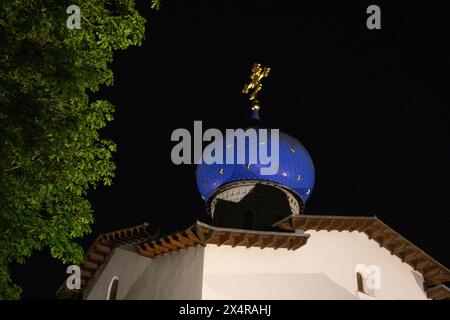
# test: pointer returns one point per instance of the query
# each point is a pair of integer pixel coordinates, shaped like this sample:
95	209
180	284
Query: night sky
371	107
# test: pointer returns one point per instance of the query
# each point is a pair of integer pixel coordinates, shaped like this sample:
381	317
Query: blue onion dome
295	171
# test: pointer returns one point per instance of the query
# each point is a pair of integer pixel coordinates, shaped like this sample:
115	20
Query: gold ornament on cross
255	83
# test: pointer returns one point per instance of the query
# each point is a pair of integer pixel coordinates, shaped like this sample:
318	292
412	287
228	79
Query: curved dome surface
295	169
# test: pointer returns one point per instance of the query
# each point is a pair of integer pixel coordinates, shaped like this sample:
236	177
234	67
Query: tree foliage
51	152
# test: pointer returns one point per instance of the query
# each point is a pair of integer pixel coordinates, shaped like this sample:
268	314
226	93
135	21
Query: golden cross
257	74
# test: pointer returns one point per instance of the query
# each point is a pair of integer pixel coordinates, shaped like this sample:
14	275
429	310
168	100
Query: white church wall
172	276
126	266
175	275
323	269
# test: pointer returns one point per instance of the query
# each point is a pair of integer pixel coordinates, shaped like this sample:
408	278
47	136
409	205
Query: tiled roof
201	233
100	252
440	292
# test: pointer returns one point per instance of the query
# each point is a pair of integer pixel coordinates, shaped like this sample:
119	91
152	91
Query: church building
260	244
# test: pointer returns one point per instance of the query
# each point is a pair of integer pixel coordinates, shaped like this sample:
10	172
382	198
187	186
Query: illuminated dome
295	171
239	195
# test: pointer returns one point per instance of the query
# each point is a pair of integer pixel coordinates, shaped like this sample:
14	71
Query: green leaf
51	150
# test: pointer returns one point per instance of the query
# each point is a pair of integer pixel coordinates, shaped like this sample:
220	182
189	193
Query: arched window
360	282
112	290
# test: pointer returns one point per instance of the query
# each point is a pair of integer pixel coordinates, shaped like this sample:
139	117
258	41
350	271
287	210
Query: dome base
252	204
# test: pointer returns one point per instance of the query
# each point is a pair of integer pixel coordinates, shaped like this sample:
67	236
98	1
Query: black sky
372	108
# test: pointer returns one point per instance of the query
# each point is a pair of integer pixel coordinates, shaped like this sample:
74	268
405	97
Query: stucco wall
126	265
323	269
177	275
173	276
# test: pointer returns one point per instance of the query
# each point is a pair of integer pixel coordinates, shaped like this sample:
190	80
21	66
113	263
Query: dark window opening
360	282
113	290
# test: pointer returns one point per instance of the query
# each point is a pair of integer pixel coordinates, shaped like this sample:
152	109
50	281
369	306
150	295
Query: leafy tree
51	152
